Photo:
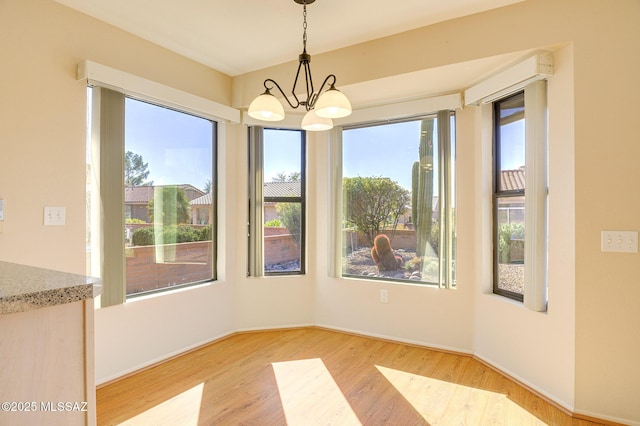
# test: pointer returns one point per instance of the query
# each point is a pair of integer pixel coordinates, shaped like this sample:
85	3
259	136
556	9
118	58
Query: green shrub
175	205
186	233
273	223
133	220
291	218
205	233
170	234
430	268
517	231
143	236
506	233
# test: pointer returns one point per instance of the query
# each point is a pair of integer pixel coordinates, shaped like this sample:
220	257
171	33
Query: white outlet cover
619	241
54	216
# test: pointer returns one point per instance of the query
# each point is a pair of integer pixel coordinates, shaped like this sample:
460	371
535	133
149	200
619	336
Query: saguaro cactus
422	187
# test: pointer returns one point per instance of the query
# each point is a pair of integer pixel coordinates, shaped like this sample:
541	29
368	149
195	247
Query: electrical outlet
384	296
620	241
54	216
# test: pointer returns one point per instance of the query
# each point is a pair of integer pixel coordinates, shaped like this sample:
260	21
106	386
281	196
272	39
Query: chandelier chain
304	27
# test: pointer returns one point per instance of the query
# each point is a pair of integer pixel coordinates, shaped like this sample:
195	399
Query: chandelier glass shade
314	122
321	106
333	104
266	107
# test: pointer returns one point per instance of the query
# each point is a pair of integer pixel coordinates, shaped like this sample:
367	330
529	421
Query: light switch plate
1	209
620	241
54	216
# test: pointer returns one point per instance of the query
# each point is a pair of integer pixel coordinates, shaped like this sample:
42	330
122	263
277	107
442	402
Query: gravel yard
511	277
359	262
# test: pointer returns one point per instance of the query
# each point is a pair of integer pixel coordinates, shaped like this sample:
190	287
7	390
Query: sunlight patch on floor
440	402
309	394
183	409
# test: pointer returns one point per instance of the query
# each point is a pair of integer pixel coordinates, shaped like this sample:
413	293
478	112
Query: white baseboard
423	344
158	360
273	327
558	401
607	418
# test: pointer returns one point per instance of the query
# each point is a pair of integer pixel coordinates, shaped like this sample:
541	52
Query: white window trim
536	190
133	86
510	80
256	248
335	214
530	75
107	195
379	114
401	110
256	204
129	85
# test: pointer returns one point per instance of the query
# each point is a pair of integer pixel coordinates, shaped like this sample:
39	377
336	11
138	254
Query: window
520	196
509	197
153	178
277	202
398	190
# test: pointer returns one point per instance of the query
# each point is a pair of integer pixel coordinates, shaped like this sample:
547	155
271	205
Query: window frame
499	194
107	122
446	184
535	293
214	203
257	200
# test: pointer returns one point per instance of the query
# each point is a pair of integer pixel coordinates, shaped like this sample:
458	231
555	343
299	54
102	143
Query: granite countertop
24	288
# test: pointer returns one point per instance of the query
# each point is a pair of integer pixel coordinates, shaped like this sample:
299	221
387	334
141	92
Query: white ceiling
238	36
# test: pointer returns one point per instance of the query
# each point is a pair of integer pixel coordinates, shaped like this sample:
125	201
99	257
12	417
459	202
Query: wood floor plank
316	376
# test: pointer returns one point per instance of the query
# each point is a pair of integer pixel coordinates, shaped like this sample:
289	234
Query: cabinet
47	366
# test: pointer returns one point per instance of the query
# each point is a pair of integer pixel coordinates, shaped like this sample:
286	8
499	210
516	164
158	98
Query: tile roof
281	189
138	194
271	189
205	200
144	194
512	180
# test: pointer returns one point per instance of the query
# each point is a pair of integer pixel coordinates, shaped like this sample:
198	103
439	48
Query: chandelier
321	106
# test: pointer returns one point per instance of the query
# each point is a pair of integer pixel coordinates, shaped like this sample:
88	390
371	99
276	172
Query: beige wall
590	333
582	353
43	115
42	163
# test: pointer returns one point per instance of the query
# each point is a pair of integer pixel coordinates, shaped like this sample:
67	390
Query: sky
281	153
513	151
177	147
390	150
386	151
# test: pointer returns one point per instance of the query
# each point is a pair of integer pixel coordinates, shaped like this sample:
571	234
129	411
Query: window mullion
256	202
111	141
444	135
535	295
336	212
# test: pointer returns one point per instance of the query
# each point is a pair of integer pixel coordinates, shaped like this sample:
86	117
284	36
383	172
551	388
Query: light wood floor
313	376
